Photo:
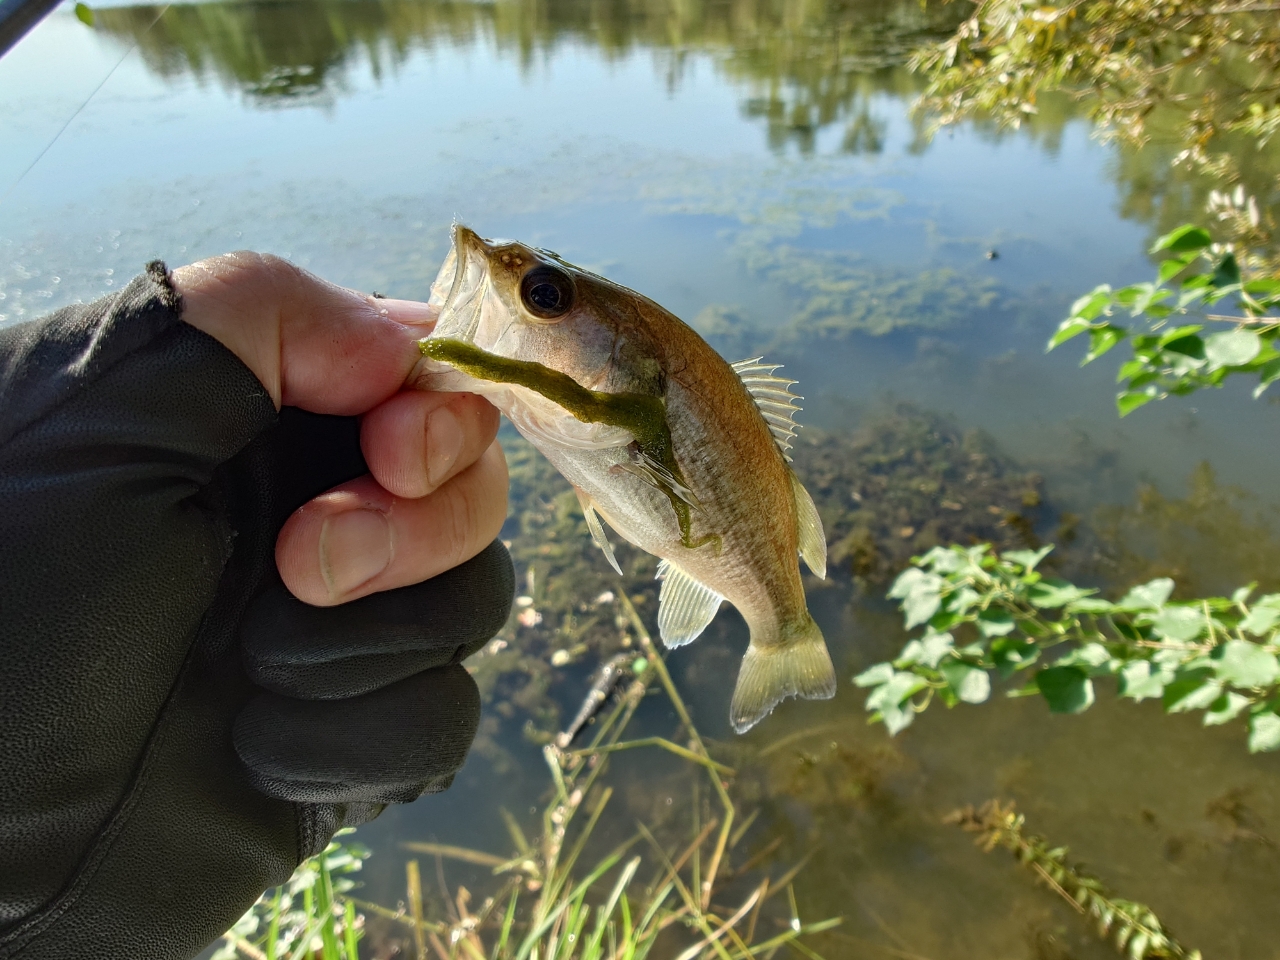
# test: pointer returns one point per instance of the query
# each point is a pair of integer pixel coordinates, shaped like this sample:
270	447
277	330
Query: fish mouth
462	286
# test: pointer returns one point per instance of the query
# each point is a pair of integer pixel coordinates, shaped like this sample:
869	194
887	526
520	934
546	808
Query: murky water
752	166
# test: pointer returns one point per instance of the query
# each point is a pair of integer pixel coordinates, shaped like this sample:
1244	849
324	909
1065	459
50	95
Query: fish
681	453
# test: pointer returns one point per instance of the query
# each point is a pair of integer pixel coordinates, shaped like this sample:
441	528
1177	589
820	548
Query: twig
413	891
244	946
455	853
724	928
675	748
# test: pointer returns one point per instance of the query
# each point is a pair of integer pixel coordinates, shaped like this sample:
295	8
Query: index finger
311	343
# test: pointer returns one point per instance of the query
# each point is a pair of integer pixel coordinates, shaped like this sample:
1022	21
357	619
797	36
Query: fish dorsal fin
596	528
813	542
685	606
773	396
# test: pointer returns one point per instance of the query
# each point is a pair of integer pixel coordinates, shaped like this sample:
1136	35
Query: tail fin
796	664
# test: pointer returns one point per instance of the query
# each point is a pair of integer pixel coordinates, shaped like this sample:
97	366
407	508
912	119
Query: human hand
177	731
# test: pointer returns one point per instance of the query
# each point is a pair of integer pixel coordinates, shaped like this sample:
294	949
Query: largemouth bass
680	452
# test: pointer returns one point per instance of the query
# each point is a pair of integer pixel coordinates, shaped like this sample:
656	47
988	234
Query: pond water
752	166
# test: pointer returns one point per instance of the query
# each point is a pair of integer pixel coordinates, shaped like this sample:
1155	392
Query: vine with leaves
983	615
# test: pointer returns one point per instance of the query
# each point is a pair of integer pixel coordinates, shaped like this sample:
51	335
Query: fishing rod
19	16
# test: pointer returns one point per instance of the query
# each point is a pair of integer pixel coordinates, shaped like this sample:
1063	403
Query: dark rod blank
19	16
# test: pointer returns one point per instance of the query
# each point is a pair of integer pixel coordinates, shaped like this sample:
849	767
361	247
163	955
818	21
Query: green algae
910	480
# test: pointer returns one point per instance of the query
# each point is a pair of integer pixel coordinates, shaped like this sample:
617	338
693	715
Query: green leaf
934	646
897	718
1269	373
1027	559
1052	592
1102	339
1174	265
971	684
1177	333
1246	664
1071	327
1227	273
1186	238
1128	401
1231	348
1138	682
1094	605
1225	709
1091	304
1189	347
84	14
1010	654
1179	623
920	593
995	623
964	598
920	605
895	690
874	676
940	560
1264	732
1262	615
1265	287
1131	369
1065	689
1148	596
1191	691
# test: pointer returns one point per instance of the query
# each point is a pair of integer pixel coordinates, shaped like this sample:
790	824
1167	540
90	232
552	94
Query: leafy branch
984	614
1139	65
1133	927
1181	359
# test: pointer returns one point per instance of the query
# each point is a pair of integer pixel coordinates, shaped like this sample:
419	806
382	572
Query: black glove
176	731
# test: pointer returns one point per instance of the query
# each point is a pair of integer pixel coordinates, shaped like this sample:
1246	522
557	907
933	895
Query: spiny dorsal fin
685	606
597	529
773	396
813	542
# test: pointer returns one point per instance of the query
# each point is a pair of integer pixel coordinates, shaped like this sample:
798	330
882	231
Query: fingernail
354	548
444	444
412	313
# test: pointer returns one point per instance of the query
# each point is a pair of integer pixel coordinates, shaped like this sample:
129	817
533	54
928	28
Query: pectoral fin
656	475
813	542
685	606
597	528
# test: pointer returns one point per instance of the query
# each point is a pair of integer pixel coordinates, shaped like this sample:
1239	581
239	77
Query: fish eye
547	292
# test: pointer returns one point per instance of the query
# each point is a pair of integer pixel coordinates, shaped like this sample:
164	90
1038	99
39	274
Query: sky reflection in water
752	167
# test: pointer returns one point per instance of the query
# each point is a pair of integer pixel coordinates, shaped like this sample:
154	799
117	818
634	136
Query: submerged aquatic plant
907	481
1132	927
985	614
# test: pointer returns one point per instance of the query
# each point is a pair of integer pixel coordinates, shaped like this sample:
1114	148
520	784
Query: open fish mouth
463	288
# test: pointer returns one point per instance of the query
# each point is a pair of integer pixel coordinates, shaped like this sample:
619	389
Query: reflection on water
752	166
805	64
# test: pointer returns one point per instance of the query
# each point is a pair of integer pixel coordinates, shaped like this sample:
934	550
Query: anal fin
685	606
597	528
813	541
